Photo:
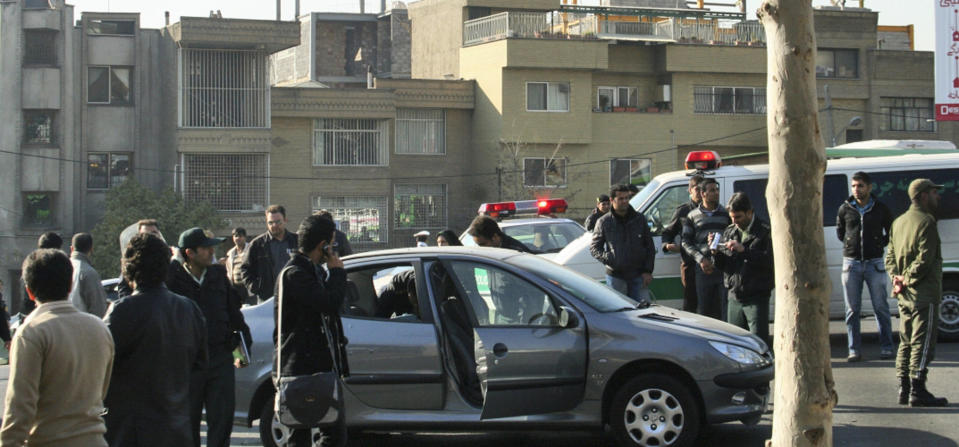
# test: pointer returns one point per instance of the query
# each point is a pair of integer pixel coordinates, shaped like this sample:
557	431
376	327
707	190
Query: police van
890	175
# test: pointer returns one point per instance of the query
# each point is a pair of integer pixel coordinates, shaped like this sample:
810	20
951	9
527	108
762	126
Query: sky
891	12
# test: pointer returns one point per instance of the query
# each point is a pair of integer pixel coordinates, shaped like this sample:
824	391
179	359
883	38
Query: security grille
731	100
224	88
420	206
231	182
420	131
350	142
40	47
362	218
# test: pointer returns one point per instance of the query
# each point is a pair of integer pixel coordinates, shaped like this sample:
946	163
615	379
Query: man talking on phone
308	295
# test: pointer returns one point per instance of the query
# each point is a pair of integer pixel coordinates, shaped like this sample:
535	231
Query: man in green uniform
914	262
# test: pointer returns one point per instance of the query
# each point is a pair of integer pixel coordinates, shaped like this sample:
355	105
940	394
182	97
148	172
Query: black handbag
313	400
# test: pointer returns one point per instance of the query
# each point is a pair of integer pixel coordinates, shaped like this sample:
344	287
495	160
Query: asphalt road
867	414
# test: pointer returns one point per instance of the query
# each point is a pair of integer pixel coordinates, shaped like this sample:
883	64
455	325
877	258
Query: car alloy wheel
949	312
654	410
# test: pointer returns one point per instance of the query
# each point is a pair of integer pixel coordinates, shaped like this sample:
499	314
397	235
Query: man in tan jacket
60	364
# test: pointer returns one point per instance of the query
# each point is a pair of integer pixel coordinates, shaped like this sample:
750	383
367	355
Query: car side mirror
568	317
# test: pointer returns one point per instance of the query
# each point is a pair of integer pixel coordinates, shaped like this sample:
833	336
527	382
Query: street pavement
867	414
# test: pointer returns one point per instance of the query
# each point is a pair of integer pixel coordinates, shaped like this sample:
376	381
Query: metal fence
350	142
362	218
224	88
729	100
231	182
506	24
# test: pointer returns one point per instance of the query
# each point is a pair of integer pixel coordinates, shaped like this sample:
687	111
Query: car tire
275	434
949	311
654	410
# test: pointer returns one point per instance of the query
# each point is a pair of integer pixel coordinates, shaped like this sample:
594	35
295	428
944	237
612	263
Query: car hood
690	324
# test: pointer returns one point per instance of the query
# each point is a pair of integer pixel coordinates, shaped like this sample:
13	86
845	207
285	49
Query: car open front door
527	362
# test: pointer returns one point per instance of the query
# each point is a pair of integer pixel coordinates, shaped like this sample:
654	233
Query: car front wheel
275	434
949	311
654	410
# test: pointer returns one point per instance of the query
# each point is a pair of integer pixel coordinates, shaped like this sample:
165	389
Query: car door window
383	292
661	210
501	298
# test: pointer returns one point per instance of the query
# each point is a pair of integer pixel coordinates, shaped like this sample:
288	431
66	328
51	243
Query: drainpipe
296	10
277	10
166	17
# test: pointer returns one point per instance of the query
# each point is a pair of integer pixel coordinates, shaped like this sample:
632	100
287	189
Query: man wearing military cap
914	262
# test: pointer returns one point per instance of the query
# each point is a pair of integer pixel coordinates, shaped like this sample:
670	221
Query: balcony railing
533	25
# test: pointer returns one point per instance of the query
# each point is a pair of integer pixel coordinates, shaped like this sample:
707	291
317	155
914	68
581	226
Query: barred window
107	169
907	114
230	182
419	206
362	218
109	85
350	142
733	100
38	126
40	47
420	131
224	88
544	172
630	171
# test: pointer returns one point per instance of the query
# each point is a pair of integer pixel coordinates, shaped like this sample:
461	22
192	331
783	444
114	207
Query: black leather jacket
863	236
675	228
160	340
307	300
218	301
748	275
256	272
624	244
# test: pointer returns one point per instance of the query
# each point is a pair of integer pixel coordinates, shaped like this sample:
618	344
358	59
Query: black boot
904	390
920	397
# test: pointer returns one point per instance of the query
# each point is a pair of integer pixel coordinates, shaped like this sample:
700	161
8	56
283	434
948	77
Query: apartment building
582	97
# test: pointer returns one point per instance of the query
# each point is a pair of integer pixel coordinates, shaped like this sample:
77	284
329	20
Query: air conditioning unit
663	93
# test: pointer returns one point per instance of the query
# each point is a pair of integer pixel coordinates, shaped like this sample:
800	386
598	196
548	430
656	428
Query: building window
733	100
38	4
109	85
419	206
112	27
362	218
547	96
224	88
350	142
40	47
630	171
38	126
230	182
420	131
837	63
38	209
610	97
907	114
107	169
544	172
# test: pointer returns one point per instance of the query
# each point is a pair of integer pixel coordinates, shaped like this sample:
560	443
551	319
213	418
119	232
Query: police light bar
551	206
501	209
703	160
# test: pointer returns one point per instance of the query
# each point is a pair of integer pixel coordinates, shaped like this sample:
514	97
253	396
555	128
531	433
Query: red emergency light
702	160
551	206
501	209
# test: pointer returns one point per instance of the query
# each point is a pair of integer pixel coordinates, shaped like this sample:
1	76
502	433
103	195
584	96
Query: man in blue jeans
623	243
862	225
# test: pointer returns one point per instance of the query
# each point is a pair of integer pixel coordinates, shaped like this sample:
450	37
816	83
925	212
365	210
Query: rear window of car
545	237
835	190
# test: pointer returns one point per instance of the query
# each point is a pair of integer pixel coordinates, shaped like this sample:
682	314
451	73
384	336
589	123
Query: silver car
495	339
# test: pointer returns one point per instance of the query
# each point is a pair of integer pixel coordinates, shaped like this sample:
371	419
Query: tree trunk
804	393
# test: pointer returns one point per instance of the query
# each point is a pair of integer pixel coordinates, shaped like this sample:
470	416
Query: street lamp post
855	121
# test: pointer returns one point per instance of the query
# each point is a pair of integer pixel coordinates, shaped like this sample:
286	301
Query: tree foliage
130	202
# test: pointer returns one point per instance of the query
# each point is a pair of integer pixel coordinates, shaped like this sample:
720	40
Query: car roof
500	254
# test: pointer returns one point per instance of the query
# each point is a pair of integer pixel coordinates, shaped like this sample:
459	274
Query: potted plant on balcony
619	109
632	109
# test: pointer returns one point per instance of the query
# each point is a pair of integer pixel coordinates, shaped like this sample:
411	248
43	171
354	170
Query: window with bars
224	88
420	131
38	126
40	47
544	172
419	206
907	114
107	169
630	171
350	142
362	218
230	182
109	85
732	100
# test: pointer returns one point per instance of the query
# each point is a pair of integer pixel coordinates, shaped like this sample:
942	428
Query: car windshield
596	295
644	194
546	236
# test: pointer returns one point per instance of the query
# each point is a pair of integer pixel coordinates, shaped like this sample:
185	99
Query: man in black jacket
602	207
487	233
862	225
746	258
307	299
623	243
687	272
198	279
160	341
267	255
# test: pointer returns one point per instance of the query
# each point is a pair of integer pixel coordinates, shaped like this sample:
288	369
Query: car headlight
738	354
